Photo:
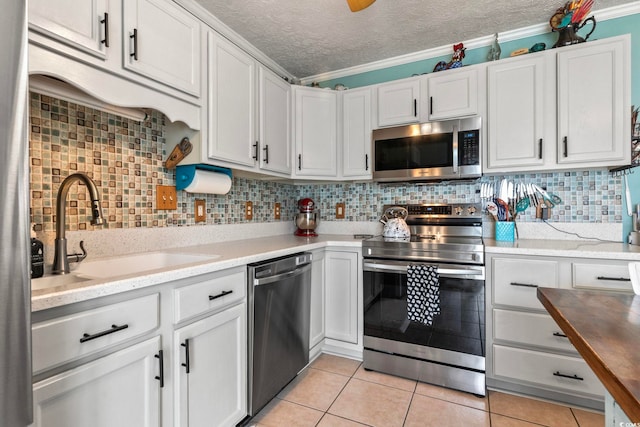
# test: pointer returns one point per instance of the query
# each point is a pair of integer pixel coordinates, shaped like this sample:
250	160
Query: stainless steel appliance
432	151
279	301
449	350
15	292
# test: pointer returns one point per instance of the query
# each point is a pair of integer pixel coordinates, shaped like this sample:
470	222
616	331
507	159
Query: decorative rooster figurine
456	59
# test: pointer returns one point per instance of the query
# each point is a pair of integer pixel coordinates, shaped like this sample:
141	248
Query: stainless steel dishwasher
279	292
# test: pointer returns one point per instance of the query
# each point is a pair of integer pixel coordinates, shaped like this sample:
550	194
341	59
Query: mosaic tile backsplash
125	159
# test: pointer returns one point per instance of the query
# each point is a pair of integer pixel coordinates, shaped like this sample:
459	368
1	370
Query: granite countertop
229	254
605	329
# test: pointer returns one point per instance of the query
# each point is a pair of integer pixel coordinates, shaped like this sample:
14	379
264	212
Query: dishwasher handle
270	279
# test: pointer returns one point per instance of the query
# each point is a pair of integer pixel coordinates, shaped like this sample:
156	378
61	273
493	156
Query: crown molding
520	33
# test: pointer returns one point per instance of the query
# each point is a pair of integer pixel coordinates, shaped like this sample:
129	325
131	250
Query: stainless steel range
443	341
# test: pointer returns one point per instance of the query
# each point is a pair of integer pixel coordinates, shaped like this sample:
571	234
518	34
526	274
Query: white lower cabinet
342	296
527	352
211	369
120	389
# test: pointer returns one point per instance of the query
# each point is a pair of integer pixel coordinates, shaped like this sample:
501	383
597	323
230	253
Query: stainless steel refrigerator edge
15	288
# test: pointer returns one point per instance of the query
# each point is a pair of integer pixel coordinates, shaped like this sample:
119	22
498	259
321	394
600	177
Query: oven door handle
402	268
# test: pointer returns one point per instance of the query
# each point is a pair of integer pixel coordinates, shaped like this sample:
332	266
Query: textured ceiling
310	37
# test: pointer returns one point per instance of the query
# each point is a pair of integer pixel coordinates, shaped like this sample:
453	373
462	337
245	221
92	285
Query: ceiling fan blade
358	5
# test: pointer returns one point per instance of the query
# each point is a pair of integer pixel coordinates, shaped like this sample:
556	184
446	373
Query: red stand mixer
308	218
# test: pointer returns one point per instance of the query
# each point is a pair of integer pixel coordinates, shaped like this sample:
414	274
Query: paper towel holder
186	173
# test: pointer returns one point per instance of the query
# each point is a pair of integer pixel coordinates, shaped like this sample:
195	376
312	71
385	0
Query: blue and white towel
423	293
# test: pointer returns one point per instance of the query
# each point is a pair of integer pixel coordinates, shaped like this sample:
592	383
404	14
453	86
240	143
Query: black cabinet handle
571	377
299	162
160	357
540	149
186	356
565	150
431	105
220	295
266	154
526	285
134	36
105	21
366	162
558	334
255	148
114	328
415	107
616	279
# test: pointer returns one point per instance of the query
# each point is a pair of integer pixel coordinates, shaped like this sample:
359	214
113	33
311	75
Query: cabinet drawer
610	276
214	292
66	338
546	369
515	281
529	329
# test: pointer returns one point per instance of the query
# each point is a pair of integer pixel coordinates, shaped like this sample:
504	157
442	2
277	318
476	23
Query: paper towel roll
208	182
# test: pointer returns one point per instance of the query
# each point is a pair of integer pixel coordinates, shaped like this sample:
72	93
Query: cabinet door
214	390
356	133
275	113
593	104
398	102
117	390
316	326
162	42
231	92
341	296
80	24
521	108
452	93
315	132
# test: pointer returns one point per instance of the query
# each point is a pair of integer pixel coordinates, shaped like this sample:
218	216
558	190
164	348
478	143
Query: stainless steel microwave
432	151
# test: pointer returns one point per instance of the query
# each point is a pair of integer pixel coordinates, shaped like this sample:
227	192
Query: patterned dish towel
423	293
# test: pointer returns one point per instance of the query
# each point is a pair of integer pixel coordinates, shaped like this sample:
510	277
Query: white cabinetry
162	42
274	121
397	102
117	390
526	351
589	83
356	134
317	314
521	113
315	132
450	94
343	296
211	364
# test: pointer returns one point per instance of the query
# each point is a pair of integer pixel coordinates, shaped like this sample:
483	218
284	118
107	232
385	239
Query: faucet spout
60	259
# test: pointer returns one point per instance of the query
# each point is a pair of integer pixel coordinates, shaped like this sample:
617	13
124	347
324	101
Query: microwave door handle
454	147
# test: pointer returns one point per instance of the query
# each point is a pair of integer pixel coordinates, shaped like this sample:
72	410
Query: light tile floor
337	392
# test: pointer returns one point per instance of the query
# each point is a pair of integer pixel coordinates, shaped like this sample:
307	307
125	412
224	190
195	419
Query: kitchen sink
137	263
56	280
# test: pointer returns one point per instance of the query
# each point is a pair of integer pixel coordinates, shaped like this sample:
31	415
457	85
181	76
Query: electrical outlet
200	210
340	210
276	211
248	210
166	197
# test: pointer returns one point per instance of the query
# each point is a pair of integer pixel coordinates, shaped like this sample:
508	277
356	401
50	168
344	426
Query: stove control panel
453	210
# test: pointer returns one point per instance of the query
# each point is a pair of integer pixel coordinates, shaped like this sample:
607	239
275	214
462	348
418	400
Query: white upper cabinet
450	94
397	102
162	42
594	103
315	133
356	134
521	113
275	117
565	108
83	25
231	103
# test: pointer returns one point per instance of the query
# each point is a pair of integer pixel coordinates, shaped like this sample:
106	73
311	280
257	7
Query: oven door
456	335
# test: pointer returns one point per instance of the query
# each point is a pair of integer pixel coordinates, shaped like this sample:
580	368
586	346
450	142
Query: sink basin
137	263
56	280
